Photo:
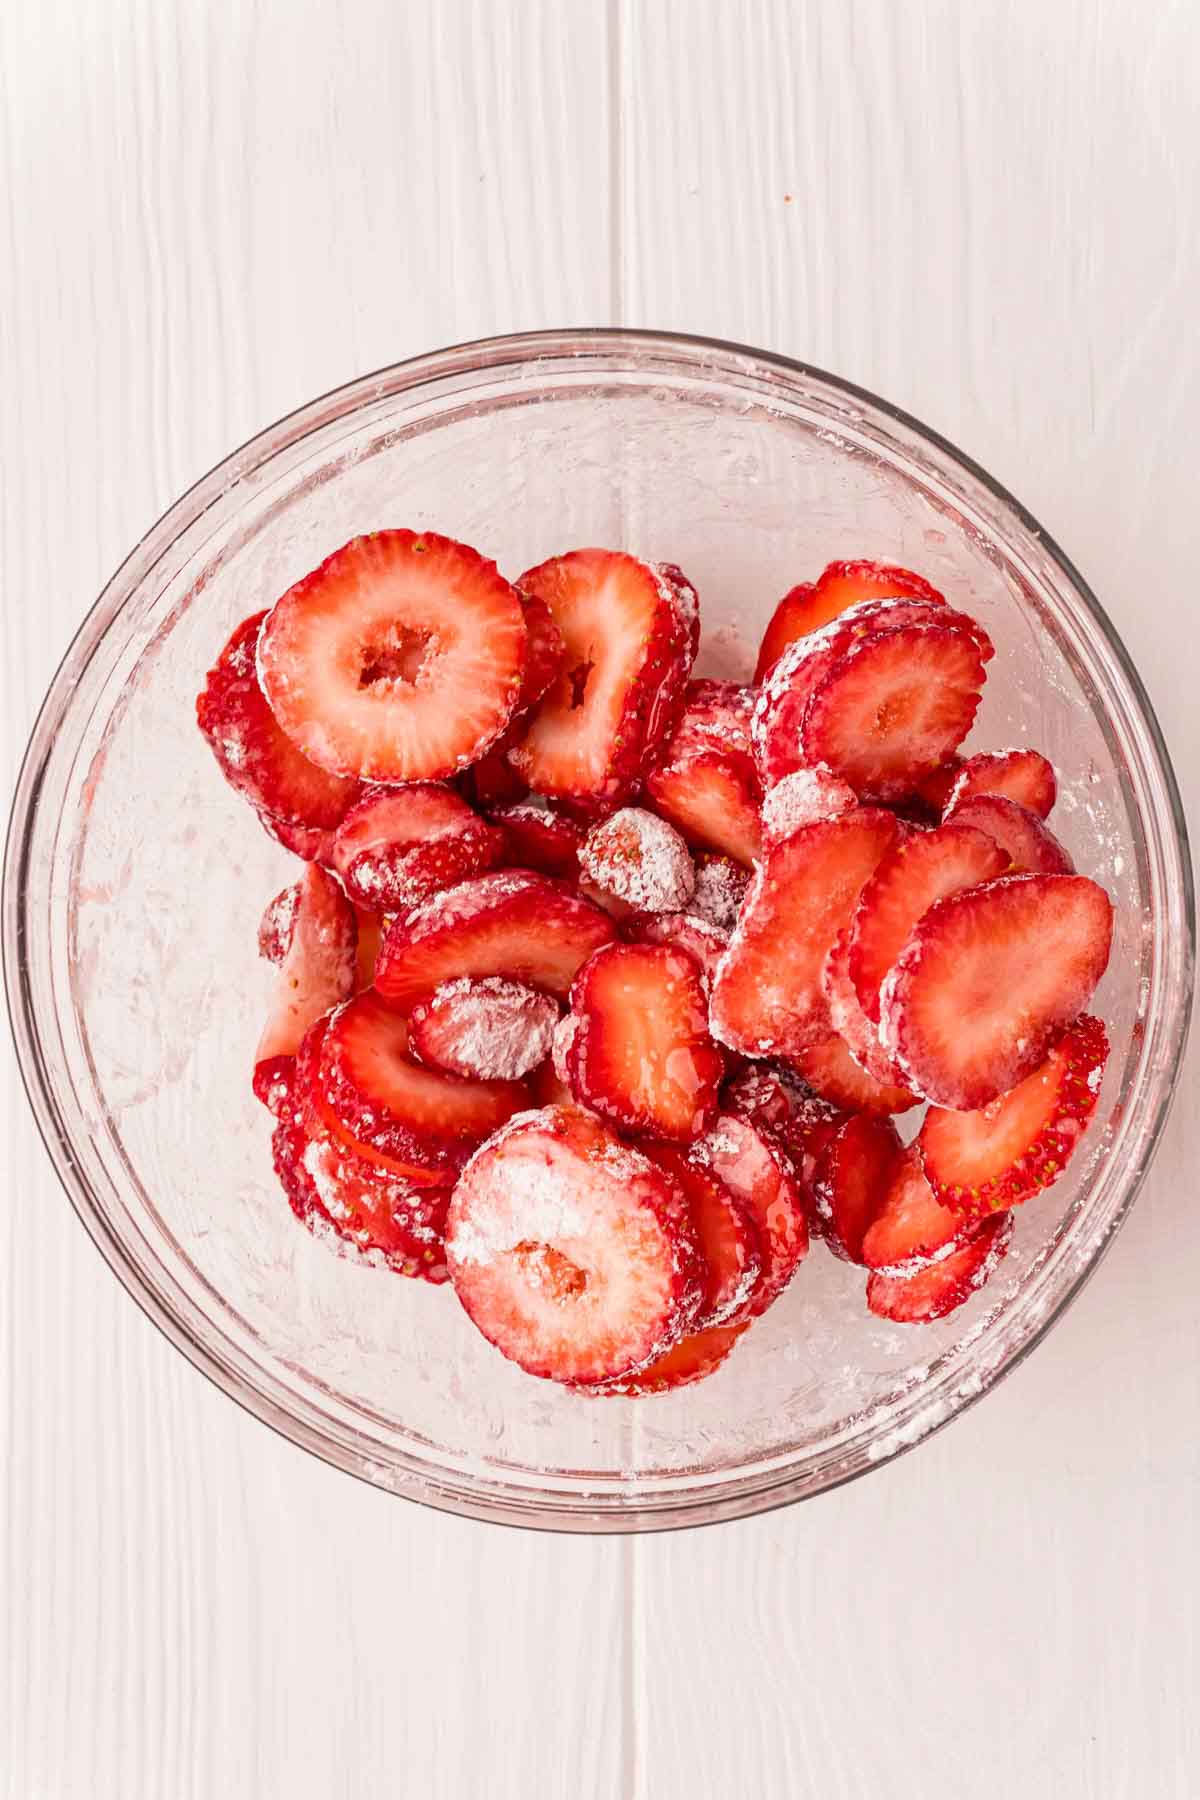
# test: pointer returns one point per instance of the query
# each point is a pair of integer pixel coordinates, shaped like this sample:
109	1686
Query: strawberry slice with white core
768	997
987	980
703	941
912	1227
831	1072
692	1359
752	1165
860	1035
1025	776
1031	846
853	1177
1021	1143
399	659
512	923
894	707
571	1252
712	797
256	757
922	868
640	1053
640	860
725	1232
941	1286
487	1030
398	845
316	971
804	797
382	1097
812	604
540	837
627	646
720	890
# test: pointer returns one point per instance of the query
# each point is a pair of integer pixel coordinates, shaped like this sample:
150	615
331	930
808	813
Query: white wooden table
214	209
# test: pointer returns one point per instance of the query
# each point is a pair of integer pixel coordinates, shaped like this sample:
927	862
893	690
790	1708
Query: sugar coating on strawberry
941	1286
721	887
716	716
694	1358
628	652
571	1252
1030	845
540	837
640	859
640	1053
398	845
703	941
886	1092
513	922
988	978
853	1176
1025	776
768	998
1021	1143
278	922
400	658
774	1100
803	798
911	1227
751	1164
487	1030
317	967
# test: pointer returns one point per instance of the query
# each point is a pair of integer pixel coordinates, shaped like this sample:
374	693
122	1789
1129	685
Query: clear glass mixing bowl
135	880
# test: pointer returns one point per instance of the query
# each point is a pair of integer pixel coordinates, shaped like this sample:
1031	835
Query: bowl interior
144	878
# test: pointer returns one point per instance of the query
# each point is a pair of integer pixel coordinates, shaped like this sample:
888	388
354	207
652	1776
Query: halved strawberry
911	1227
486	1030
831	1071
767	998
381	1097
712	797
571	1252
938	1288
255	756
704	942
399	659
776	1102
988	978
751	1164
720	890
512	923
640	1053
540	837
316	971
1025	776
692	1359
1031	846
805	608
803	798
887	1092
1021	1143
921	868
628	652
398	845
639	859
853	1177
491	782
725	1232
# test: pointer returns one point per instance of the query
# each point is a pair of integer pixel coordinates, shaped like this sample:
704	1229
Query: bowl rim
689	1510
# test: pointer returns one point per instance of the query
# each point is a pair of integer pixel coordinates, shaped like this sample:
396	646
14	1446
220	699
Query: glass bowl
135	879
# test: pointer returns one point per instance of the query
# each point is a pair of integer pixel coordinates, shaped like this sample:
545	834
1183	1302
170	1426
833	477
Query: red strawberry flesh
1031	846
398	845
751	1164
940	1287
853	1177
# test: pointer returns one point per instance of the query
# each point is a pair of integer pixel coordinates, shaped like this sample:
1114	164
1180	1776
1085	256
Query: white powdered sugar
277	924
490	1029
640	859
720	889
803	798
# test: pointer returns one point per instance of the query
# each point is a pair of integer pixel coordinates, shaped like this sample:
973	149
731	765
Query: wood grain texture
985	212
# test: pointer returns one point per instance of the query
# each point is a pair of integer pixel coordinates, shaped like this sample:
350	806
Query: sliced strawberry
640	1053
919	870
398	845
1002	1155
256	757
987	980
1031	847
383	1098
628	652
853	1177
545	651
612	904
704	942
716	716
572	1253
315	973
751	1164
686	603
310	842
712	797
725	1231
641	860
939	1287
911	1227
894	707
804	797
399	659
492	782
512	923
860	1035
1025	776
831	1071
767	998
804	609
487	1030
278	922
671	693
540	837
693	1358
720	890
773	1100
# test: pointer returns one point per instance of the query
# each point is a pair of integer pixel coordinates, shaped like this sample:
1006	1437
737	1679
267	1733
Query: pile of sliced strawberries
603	986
